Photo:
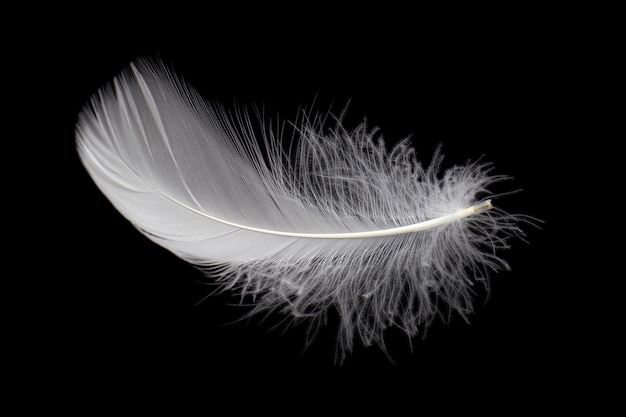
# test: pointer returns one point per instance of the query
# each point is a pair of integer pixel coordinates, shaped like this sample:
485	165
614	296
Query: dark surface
120	307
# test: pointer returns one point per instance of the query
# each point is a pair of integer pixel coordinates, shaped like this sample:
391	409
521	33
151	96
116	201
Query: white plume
333	222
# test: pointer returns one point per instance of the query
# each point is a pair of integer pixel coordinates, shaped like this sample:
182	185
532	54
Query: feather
334	222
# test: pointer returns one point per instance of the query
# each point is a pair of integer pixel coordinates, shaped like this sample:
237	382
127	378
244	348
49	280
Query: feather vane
334	222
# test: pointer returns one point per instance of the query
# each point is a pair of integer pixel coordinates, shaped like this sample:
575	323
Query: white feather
334	222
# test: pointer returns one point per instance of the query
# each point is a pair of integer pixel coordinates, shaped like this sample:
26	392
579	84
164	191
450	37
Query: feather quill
334	222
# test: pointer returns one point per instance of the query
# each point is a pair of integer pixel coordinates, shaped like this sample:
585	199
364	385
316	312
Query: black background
116	307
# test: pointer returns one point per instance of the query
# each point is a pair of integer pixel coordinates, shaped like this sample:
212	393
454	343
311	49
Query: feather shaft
412	228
